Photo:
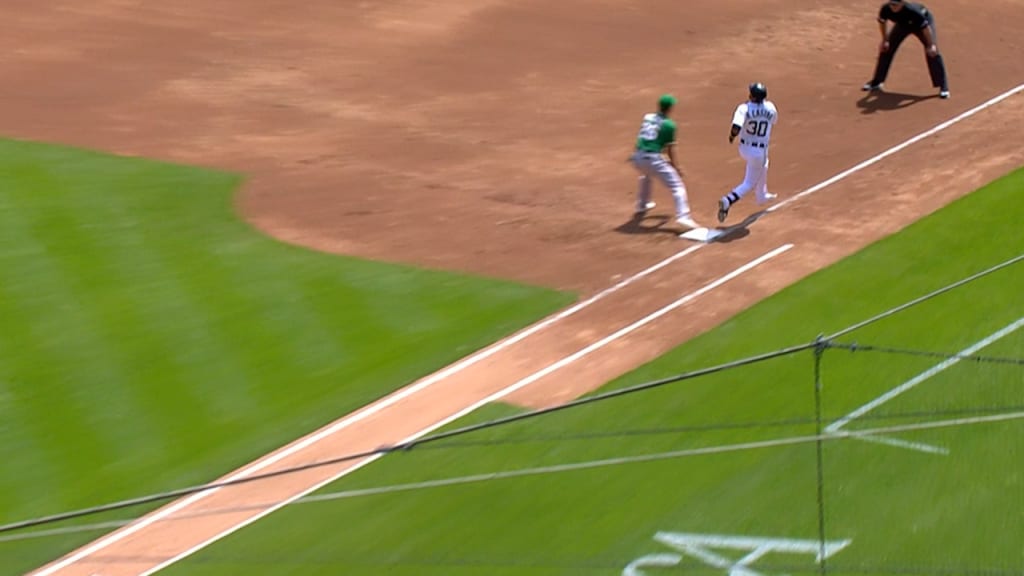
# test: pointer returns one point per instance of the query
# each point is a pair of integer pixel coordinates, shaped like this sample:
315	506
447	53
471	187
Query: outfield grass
903	511
152	340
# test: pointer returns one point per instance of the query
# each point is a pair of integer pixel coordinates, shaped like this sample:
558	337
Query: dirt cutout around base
491	137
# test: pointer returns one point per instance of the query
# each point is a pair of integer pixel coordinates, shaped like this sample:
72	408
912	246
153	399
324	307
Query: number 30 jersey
755	120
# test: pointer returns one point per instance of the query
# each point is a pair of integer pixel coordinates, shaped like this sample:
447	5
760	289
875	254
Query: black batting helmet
758	91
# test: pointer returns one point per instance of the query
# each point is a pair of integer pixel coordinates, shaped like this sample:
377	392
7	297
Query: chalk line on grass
362	414
392	399
657	456
985	342
562	468
462	365
501	393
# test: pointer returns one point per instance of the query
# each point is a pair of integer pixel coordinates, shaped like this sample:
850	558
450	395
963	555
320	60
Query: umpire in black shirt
908	18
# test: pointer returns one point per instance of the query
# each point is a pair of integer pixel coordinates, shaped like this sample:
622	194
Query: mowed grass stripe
52	351
280	335
155	324
222	369
25	412
151	340
105	405
158	327
906	512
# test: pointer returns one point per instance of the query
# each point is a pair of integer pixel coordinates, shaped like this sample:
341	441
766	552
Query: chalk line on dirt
462	365
899	147
362	414
553	367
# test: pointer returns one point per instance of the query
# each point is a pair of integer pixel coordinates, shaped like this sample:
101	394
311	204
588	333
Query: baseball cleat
723	209
768	197
642	210
871	87
943	94
687	222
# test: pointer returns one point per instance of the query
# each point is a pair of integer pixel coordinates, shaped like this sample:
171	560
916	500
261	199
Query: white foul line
363	413
475	358
496	396
657	456
898	443
899	147
561	468
618	334
916	380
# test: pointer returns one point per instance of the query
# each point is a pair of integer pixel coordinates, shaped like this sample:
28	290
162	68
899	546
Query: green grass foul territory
152	340
945	499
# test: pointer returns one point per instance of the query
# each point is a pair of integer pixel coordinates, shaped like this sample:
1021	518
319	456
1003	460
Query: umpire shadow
879	101
738	231
648	225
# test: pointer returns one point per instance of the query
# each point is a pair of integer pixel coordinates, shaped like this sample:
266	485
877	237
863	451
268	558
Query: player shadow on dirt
884	101
738	231
663	224
650	224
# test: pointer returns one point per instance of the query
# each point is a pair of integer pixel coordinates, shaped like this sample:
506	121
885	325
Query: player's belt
749	143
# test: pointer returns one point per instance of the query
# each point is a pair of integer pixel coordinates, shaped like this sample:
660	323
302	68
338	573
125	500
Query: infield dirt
491	136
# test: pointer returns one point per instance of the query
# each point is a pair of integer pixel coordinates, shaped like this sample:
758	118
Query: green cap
666	101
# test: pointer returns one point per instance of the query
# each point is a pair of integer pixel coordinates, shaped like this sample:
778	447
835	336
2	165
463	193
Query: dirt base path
490	137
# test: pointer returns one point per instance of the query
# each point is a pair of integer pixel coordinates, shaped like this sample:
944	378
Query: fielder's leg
668	175
643	195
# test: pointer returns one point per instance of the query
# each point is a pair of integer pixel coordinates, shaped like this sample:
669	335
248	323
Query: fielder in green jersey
657	136
656	133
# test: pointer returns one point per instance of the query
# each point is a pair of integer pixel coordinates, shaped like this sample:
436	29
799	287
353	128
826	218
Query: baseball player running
908	18
658	135
752	122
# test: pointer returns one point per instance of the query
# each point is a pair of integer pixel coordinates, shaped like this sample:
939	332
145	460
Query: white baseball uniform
756	120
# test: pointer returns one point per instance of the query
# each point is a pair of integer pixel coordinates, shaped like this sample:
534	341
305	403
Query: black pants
936	67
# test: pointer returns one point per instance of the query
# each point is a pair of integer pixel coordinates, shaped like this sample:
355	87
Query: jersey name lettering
755	120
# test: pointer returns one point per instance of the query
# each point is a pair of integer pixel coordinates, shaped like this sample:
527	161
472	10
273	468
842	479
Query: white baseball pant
653	165
756	177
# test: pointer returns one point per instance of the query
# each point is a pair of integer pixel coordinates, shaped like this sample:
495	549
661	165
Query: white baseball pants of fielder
653	165
756	178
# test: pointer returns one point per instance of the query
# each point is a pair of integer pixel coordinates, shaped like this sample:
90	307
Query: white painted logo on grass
702	547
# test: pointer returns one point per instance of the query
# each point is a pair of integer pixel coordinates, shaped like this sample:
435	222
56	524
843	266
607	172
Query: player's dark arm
734	132
883	29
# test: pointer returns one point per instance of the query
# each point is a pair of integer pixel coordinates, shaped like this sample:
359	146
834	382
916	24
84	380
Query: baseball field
262	243
936	488
151	335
